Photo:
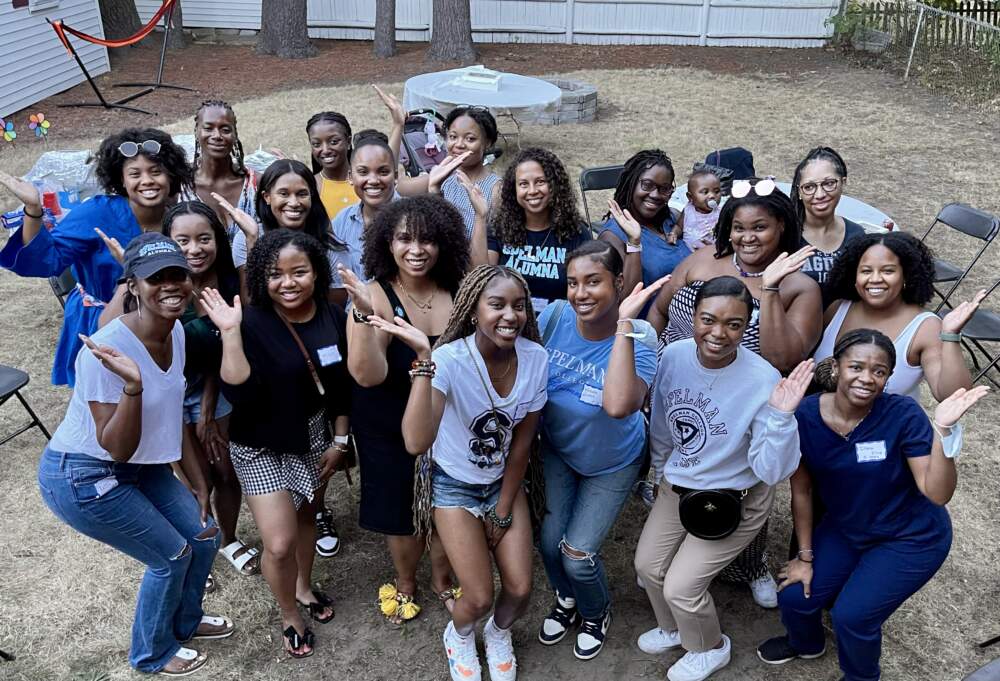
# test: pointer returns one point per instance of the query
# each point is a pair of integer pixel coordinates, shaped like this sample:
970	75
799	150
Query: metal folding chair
983	327
11	382
63	285
597	179
972	222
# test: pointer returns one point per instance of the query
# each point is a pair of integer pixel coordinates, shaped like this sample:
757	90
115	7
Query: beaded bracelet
422	367
502	523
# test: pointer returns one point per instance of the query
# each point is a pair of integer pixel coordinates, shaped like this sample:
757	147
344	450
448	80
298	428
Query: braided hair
640	162
475	282
815	154
508	221
824	373
333	118
236	153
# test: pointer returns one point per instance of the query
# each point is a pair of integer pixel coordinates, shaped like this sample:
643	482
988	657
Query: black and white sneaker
558	622
590	638
778	650
327	539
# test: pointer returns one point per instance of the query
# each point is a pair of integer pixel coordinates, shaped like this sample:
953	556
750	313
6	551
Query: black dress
387	469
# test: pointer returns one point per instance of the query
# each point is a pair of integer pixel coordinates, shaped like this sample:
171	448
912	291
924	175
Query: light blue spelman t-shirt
574	424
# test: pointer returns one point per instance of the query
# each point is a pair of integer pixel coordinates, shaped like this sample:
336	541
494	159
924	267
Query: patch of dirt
235	72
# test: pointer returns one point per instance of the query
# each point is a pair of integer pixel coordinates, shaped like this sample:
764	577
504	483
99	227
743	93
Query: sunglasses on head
742	188
131	149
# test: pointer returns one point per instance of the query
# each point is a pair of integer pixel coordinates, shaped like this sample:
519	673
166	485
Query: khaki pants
677	568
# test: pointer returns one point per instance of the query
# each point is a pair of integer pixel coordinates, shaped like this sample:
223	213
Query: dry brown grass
67	601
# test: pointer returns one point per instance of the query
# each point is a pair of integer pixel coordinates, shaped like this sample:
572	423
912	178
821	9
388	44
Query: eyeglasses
473	107
761	188
648	186
828	185
131	149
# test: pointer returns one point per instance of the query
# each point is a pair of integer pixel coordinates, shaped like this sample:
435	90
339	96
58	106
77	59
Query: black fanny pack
710	513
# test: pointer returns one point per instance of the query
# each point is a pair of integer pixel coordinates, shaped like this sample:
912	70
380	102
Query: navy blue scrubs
881	539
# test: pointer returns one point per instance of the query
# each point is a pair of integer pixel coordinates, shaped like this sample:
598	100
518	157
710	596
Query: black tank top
378	411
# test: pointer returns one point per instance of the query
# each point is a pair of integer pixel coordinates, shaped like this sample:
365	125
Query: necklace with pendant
425	306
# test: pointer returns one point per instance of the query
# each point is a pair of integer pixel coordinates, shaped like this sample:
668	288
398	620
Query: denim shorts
475	498
192	407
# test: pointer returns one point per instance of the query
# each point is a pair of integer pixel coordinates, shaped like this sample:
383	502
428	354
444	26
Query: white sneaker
699	666
499	652
463	660
656	641
765	591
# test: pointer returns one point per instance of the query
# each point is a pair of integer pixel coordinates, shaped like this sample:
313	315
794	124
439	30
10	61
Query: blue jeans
862	588
476	498
579	513
146	513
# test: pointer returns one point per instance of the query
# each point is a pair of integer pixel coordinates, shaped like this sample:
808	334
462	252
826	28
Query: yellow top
336	195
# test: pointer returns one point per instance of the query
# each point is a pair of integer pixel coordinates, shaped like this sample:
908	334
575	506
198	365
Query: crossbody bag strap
305	354
553	321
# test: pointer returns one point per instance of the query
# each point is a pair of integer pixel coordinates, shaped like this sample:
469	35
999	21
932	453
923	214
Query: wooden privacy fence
964	23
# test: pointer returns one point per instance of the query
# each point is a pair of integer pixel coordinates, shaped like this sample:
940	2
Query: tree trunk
451	32
385	28
120	18
283	29
178	40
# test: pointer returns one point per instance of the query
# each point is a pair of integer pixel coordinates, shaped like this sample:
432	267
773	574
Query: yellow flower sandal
396	607
449	596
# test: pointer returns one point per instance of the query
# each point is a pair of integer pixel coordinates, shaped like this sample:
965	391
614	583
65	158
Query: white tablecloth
520	97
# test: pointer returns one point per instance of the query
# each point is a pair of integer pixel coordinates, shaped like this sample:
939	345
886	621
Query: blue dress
73	243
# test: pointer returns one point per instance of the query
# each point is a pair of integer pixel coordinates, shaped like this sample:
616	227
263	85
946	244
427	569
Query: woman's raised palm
225	316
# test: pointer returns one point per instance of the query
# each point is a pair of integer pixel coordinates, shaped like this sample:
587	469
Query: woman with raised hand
221	179
284	371
883	281
106	472
884	472
639	223
474	404
722	436
817	187
757	240
416	254
141	171
593	436
535	224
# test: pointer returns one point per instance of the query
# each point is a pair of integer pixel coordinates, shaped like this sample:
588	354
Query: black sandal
297	640
322	603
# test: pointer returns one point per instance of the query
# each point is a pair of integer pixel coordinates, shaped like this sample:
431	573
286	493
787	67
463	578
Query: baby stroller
423	141
728	165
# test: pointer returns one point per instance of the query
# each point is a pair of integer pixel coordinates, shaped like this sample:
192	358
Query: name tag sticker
329	355
870	451
591	395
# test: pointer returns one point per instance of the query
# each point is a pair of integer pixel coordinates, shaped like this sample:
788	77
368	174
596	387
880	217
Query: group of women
507	379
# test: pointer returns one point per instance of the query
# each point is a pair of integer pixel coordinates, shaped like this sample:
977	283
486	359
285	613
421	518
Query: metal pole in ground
916	35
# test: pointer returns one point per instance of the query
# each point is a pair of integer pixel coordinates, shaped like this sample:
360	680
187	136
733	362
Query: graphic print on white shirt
691	417
492	430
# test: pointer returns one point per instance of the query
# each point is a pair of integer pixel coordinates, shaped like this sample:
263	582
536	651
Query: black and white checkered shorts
261	470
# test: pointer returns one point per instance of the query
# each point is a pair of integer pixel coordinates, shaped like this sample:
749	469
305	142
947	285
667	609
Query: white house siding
34	64
750	23
210	13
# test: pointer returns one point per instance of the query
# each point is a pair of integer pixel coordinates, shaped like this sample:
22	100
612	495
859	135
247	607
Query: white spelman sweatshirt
713	428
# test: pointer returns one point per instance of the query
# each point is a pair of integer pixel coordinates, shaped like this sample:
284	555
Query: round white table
519	98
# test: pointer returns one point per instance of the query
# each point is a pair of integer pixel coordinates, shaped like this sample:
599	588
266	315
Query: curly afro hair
265	254
508	221
110	163
427	218
777	205
915	258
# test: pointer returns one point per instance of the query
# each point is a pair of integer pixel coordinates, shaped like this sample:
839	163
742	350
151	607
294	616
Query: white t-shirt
162	398
471	444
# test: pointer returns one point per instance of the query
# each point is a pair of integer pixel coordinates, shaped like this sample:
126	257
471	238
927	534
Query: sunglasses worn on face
131	149
828	185
762	187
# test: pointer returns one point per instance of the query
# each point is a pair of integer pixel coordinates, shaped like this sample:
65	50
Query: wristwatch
633	248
